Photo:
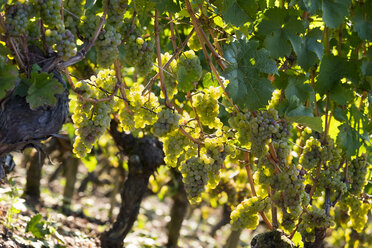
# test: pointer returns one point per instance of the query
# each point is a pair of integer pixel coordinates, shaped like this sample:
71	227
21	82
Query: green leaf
333	69
209	80
166	5
348	140
247	72
238	12
298	87
90	162
37	227
341	95
314	123
4	50
334	12
184	79
281	28
8	79
43	90
311	50
363	21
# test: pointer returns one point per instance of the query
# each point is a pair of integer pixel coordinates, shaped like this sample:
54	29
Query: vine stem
253	190
312	82
327	120
175	55
80	55
158	52
120	84
173	37
184	132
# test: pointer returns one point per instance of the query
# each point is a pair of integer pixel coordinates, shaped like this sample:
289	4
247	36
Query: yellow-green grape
275	99
189	70
358	174
240	122
207	107
194	43
195	177
215	156
262	127
138	52
358	211
312	219
167	122
169	74
311	154
92	121
107	46
89	24
144	109
174	144
116	12
17	17
281	143
62	42
245	215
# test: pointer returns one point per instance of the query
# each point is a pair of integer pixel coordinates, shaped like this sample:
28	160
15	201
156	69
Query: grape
91	120
315	218
63	42
245	215
50	12
275	99
107	46
138	52
89	24
311	154
240	123
195	177
17	18
167	122
189	70
357	174
73	10
116	13
358	211
207	107
169	75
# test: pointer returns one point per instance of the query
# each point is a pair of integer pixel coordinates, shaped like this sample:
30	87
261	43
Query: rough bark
71	168
34	164
145	156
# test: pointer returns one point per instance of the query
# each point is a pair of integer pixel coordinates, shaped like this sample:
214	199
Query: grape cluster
142	109
195	176
89	23
281	143
139	52
169	75
358	211
215	152
262	127
62	42
175	144
17	18
357	174
167	122
311	154
73	10
50	12
92	120
189	70
116	12
206	105
245	215
107	46
312	219
240	122
275	99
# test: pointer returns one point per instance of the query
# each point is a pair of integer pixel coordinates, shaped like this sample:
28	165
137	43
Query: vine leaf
237	12
247	72
297	87
8	79
43	88
333	69
166	5
37	227
334	12
281	28
363	22
311	49
348	139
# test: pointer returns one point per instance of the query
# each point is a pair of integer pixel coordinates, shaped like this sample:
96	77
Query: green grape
189	70
17	18
116	13
207	108
50	13
262	127
73	10
89	23
240	122
215	152
174	144
357	173
107	46
167	122
358	211
91	121
195	177
311	154
314	218
194	43
138	52
280	142
245	215
169	75
62	42
275	99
